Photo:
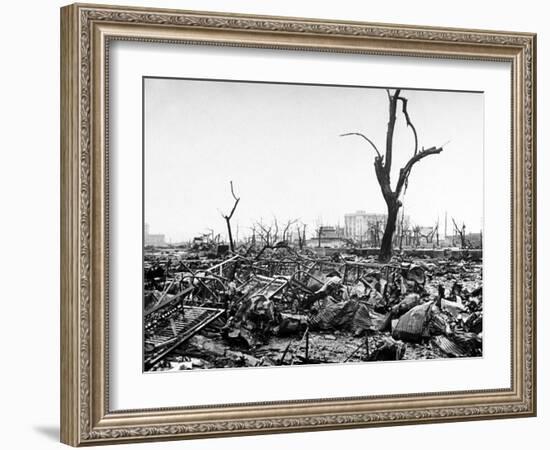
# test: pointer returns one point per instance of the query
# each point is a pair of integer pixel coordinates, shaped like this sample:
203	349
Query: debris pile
283	306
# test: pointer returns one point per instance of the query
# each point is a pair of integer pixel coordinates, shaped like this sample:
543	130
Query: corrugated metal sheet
411	324
448	346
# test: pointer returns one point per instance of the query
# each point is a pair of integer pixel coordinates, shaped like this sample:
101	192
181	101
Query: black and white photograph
292	224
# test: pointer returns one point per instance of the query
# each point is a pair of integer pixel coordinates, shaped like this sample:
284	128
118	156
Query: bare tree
228	217
416	235
253	237
461	233
301	235
428	237
286	231
401	229
382	167
275	235
265	233
374	230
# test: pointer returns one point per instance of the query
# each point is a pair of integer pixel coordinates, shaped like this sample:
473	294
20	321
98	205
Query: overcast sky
280	145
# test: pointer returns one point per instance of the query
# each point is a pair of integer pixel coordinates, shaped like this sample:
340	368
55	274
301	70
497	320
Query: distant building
329	237
155	240
359	226
331	232
368	228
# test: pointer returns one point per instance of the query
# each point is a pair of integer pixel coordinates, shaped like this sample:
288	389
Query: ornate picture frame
86	34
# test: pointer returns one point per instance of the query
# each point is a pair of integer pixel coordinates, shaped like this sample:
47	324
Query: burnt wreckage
283	306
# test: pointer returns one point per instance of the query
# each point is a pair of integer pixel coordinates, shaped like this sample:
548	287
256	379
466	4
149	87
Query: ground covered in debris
283	306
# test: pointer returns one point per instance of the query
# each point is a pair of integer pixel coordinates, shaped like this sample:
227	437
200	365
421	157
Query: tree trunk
229	216
386	247
230	235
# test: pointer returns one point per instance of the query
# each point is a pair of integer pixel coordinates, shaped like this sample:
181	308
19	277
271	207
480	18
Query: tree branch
287	227
237	200
265	234
456	226
409	123
232	191
364	137
405	171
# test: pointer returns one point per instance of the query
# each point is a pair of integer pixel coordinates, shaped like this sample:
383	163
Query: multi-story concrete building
155	240
360	225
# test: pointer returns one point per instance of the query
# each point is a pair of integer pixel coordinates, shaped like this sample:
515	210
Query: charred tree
228	217
461	233
287	233
265	233
401	230
275	236
301	233
382	168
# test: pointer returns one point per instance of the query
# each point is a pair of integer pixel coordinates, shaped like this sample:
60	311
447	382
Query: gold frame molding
86	31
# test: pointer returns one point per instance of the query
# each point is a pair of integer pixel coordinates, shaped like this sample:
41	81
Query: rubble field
283	306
